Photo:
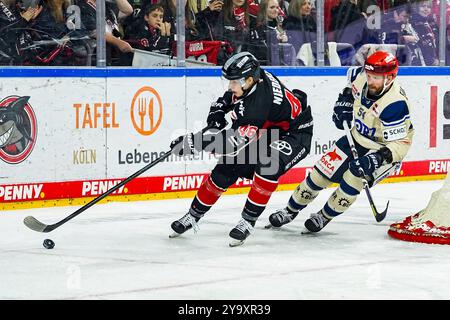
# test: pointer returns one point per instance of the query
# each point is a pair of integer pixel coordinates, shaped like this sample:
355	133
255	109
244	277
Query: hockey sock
205	198
341	199
258	197
307	191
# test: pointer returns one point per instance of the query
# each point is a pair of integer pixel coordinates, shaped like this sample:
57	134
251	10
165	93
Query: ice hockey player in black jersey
271	132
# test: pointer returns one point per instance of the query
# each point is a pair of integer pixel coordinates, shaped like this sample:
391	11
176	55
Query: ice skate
239	233
280	218
182	225
316	222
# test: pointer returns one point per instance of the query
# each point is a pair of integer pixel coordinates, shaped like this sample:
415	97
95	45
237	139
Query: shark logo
333	156
18	129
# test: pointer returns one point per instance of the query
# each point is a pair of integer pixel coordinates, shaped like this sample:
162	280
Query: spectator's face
238	3
154	18
305	9
272	9
425	9
401	17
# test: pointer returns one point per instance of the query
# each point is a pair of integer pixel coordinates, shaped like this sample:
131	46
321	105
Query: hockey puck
48	244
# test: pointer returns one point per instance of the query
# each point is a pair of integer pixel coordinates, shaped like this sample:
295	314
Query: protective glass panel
47	32
408	29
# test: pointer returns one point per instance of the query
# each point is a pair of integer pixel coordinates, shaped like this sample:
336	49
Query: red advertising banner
12	193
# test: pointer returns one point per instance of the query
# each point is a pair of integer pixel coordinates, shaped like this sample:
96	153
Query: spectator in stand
52	20
300	17
235	21
300	25
436	11
343	15
349	24
170	16
152	34
170	13
268	26
425	29
328	7
270	19
394	25
118	9
13	33
206	15
394	33
115	46
134	20
191	31
51	25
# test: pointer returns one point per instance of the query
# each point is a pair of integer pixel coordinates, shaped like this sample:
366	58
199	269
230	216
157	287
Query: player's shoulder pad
395	113
352	73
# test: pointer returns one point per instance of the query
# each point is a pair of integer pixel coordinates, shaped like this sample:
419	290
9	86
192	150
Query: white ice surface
122	251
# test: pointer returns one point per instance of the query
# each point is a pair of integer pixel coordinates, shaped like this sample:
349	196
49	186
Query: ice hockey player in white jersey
382	133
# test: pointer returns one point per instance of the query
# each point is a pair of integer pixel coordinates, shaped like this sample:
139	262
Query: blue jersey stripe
395	113
395	123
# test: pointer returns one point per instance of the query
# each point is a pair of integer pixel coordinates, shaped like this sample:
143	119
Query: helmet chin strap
386	85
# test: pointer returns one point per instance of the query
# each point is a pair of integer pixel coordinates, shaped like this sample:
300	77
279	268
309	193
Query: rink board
92	128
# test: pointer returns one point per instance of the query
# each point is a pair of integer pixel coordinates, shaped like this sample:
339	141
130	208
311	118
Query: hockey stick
38	226
379	216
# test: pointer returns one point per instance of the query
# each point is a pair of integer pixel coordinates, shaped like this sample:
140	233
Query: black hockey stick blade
38	226
379	216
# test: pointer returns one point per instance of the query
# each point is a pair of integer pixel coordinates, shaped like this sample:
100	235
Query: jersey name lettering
276	87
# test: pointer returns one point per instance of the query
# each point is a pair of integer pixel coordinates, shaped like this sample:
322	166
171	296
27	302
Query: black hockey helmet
241	65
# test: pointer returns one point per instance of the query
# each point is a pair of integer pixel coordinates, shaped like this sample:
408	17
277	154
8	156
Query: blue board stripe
11	72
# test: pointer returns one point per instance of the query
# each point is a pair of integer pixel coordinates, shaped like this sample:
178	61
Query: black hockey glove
366	165
216	117
183	145
193	143
343	109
